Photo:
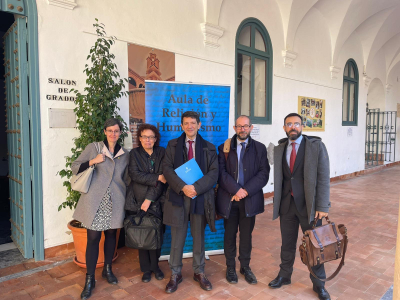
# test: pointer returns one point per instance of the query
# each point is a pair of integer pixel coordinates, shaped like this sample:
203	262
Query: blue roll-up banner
165	104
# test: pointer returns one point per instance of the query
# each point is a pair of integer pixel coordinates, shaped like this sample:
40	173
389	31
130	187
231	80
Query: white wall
65	37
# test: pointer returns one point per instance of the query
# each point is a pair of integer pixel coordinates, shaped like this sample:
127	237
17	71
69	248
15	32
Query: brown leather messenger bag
322	244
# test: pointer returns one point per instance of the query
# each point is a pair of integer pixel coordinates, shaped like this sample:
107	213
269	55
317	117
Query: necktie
241	172
292	157
292	160
190	153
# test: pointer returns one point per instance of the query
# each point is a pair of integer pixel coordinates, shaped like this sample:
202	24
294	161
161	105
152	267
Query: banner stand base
190	254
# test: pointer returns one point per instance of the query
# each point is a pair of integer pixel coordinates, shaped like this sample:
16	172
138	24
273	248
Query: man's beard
294	137
243	136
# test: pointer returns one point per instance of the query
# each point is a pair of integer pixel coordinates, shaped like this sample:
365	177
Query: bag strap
337	237
316	220
227	148
97	145
154	213
132	219
338	268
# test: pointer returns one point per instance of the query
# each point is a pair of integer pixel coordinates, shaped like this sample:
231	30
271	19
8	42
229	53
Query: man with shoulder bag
301	194
243	173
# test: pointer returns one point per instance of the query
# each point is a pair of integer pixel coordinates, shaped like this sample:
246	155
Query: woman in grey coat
101	209
147	189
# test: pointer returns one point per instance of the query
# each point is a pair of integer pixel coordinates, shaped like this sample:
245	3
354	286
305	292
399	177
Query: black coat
144	184
174	215
256	174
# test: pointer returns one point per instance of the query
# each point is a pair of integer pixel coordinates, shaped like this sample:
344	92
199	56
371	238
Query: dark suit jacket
256	174
174	215
293	182
316	176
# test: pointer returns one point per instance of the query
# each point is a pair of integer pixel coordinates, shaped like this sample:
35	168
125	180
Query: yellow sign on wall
312	110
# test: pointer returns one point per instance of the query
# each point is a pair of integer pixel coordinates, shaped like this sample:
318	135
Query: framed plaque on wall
312	111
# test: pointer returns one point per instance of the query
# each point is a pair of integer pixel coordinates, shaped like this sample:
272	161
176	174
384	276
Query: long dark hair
153	128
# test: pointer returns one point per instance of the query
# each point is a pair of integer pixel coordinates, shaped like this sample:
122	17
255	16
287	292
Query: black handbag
144	230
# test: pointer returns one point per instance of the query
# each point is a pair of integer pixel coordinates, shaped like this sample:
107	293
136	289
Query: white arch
389	29
376	95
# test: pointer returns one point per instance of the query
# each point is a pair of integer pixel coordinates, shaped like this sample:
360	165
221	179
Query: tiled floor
367	205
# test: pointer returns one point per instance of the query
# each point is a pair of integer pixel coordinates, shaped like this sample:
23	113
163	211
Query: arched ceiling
376	23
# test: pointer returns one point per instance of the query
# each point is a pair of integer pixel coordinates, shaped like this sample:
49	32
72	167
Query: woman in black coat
146	189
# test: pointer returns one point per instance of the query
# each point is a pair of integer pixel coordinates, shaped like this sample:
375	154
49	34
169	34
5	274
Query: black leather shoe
201	278
108	274
146	276
322	293
248	275
89	286
159	274
231	275
172	285
278	282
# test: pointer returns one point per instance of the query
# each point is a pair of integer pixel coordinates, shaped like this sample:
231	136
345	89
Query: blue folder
189	172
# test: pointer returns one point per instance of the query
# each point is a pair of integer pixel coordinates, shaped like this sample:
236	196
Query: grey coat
113	173
174	215
316	176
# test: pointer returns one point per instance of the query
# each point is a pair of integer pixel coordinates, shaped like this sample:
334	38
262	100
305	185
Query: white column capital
334	72
366	79
288	58
211	33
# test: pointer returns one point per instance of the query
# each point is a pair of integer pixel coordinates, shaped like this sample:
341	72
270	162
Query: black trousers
238	220
289	231
148	260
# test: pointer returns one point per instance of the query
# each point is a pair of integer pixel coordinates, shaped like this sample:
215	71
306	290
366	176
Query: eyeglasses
290	125
243	127
113	131
150	138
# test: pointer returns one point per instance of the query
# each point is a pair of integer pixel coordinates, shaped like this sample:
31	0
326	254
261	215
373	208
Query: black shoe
322	293
201	278
159	274
248	275
231	275
108	274
89	286
278	282
146	276
172	285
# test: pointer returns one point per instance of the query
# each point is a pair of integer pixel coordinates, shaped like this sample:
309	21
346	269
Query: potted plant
93	108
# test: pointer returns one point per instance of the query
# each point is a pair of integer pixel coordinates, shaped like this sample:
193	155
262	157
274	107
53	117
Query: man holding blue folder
194	202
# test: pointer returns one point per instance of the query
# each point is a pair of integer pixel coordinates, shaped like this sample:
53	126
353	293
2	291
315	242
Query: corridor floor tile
368	205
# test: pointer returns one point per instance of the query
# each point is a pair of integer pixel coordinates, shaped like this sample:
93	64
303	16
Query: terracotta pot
80	241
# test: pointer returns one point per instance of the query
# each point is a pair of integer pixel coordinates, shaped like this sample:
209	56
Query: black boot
89	286
107	273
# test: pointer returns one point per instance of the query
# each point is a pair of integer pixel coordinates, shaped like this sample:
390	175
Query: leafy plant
99	103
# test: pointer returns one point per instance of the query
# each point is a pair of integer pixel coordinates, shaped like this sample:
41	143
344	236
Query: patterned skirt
102	219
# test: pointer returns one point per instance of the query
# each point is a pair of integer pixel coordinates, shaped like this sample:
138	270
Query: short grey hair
111	122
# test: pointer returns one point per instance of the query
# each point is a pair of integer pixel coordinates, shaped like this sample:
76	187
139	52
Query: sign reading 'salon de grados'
62	89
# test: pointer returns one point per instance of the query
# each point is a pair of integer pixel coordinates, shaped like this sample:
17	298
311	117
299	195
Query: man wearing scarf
189	202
